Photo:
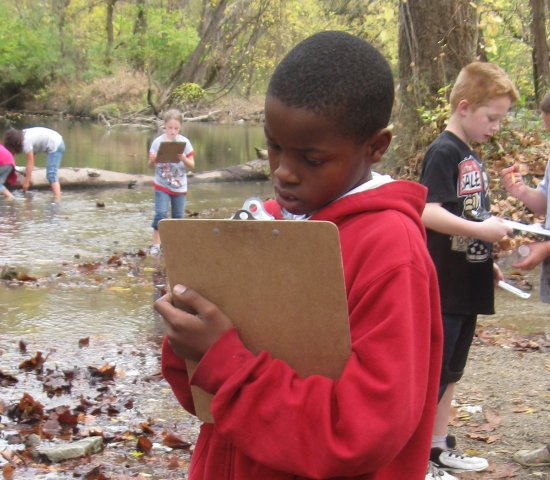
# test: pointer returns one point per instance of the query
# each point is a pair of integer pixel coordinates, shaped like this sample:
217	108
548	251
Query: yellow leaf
120	289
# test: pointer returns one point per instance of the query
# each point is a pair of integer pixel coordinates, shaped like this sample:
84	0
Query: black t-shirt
456	179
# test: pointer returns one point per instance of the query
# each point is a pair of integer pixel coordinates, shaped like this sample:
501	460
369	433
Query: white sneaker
154	251
436	473
450	459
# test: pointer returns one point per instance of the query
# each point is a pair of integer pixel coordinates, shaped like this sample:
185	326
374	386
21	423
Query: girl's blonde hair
173	114
479	82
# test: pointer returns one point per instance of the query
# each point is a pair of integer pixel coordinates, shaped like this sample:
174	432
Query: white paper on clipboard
535	228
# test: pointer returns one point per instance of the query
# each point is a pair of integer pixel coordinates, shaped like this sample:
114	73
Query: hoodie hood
406	197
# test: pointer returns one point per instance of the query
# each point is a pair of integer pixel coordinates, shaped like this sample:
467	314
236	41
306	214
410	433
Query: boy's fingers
192	301
164	305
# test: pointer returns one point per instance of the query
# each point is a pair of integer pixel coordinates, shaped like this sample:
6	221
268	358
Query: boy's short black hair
339	76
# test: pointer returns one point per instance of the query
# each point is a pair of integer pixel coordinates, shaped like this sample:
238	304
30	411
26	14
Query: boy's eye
314	162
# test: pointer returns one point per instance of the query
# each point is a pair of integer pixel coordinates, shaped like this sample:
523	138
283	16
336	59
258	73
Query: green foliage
46	40
167	41
434	119
28	54
506	40
188	93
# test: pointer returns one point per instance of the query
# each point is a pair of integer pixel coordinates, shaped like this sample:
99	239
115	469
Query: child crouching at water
38	140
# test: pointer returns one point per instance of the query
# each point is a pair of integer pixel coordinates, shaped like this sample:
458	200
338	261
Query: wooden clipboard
169	151
280	282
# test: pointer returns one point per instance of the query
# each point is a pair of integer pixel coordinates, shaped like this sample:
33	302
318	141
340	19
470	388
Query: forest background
120	59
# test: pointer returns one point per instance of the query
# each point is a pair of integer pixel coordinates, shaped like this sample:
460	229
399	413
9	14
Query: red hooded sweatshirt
375	421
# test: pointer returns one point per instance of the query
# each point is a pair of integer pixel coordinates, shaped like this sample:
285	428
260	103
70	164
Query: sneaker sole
462	470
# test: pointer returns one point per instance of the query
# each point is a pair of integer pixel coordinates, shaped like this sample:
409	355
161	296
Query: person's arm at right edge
533	199
436	218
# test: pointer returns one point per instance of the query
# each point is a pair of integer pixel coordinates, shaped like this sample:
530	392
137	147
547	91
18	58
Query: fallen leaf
144	444
174	441
8	471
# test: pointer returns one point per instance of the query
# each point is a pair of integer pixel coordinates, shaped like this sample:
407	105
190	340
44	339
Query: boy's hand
493	229
512	181
537	253
191	334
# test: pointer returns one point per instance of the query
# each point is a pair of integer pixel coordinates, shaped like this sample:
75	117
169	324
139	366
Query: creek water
67	247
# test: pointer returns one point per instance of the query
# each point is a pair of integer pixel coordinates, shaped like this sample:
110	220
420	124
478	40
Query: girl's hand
191	334
512	180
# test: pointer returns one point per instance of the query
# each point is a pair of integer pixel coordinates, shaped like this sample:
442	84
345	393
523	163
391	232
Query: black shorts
458	334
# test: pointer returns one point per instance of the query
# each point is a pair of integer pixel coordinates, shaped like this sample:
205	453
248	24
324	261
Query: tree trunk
541	66
60	10
110	34
187	71
436	39
140	28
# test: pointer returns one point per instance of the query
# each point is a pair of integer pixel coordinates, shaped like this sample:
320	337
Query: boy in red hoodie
327	109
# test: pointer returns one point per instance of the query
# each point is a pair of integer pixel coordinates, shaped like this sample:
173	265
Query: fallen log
73	177
255	170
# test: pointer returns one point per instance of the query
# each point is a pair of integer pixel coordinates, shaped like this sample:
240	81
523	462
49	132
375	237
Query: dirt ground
515	408
503	403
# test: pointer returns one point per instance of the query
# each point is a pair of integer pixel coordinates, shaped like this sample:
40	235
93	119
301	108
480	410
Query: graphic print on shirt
472	187
171	174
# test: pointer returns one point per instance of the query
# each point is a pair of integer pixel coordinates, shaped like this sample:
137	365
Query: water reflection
69	247
124	148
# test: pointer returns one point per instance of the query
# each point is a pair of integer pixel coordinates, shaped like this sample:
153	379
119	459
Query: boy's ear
378	143
462	106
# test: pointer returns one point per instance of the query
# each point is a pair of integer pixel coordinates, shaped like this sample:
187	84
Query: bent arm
438	219
322	428
152	158
534	200
512	180
189	160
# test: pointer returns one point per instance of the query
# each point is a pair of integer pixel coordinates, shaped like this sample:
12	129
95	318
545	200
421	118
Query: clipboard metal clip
253	209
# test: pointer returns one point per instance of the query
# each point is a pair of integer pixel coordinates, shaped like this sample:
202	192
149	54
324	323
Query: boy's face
482	122
311	164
